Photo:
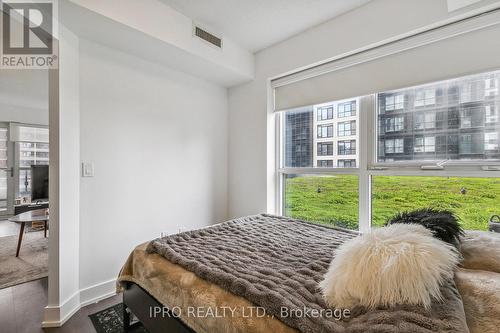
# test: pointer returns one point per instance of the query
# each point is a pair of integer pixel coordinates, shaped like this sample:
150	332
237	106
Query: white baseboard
97	292
56	316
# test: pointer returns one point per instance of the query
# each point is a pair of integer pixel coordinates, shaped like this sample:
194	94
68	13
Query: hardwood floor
21	310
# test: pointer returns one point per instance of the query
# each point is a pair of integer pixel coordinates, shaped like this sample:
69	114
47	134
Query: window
347	128
425	144
425	97
325	148
346	163
347	109
474	200
432	149
347	147
425	120
393	146
490	87
491	141
329	200
466	144
450	131
298	136
30	153
394	102
472	90
430	120
472	117
491	114
394	124
325	163
325	113
325	131
306	141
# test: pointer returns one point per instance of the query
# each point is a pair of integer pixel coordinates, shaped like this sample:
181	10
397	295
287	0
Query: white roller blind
466	47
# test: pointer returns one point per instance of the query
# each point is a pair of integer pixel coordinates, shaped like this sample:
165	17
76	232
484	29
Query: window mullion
366	136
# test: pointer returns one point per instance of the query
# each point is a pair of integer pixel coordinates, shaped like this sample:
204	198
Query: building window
472	90
466	144
347	109
425	97
347	128
394	146
325	113
472	117
325	131
346	163
394	124
325	163
425	120
491	141
425	144
491	113
466	118
394	102
347	147
325	148
490	87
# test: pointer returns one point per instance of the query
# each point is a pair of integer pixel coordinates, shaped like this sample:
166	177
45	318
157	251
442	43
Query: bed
167	297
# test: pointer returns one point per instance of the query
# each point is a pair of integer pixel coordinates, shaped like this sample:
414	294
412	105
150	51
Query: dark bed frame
138	302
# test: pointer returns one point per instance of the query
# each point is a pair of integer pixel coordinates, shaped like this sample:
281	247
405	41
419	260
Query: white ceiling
257	24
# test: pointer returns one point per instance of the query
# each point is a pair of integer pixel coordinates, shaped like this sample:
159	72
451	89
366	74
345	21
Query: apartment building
323	135
299	138
448	120
335	134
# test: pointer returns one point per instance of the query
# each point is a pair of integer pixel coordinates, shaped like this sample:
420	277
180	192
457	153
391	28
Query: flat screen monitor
39	182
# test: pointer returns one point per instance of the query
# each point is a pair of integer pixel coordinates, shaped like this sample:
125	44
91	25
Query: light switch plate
87	169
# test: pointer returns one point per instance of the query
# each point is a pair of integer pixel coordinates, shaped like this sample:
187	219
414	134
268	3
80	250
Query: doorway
24	162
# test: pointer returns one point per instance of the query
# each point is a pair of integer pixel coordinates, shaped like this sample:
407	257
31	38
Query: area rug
31	264
110	320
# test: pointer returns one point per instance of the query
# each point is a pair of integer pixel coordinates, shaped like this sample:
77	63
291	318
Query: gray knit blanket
277	262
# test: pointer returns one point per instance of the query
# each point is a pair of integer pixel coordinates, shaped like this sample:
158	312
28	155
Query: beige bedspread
480	292
173	286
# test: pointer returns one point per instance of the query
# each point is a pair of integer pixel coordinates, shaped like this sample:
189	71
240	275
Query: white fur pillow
398	264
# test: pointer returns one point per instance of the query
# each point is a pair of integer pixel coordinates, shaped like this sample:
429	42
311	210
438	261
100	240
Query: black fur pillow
443	223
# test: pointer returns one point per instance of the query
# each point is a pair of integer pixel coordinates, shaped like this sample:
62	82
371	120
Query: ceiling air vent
208	37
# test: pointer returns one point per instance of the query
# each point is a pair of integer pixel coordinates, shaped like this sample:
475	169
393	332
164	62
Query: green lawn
334	199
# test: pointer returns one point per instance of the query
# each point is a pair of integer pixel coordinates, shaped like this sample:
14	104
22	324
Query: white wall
64	187
24	96
158	141
251	136
69	175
